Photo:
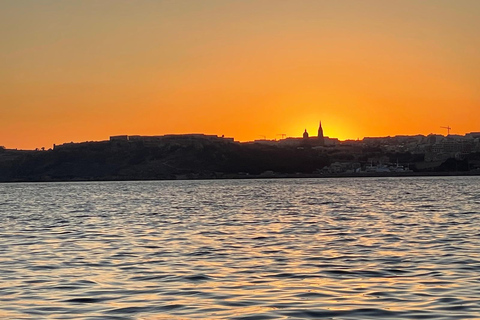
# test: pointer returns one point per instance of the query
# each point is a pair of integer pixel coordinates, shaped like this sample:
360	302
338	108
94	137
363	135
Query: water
372	248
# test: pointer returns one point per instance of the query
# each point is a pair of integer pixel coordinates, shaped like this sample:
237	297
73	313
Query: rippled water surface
371	248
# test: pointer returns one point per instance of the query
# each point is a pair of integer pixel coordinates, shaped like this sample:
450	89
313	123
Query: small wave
148	278
87	300
238	303
363	312
286	275
169	307
130	310
44	267
312	295
255	317
197	277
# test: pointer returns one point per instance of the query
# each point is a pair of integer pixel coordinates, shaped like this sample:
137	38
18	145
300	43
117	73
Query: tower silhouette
305	134
321	139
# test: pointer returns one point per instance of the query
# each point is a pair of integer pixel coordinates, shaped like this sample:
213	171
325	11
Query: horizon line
240	141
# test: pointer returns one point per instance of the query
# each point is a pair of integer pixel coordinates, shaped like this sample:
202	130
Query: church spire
320	137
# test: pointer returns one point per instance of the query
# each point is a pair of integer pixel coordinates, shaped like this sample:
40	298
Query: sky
83	70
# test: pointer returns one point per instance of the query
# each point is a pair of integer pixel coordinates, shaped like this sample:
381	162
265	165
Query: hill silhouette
206	157
193	158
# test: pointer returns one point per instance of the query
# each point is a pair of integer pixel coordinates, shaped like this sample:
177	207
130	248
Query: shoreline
265	176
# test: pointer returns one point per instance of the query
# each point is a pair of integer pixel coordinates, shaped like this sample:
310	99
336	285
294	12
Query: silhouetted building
305	134
473	135
119	138
321	139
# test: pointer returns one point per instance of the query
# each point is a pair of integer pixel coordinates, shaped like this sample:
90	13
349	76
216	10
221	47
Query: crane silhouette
448	129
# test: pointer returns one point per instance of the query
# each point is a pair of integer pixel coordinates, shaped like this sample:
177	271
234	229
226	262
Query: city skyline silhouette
82	71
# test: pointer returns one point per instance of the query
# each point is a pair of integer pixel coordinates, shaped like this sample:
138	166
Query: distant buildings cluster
180	137
435	147
432	148
315	141
428	151
371	154
167	156
154	140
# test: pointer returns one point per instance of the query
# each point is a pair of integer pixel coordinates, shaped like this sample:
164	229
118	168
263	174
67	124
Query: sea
340	248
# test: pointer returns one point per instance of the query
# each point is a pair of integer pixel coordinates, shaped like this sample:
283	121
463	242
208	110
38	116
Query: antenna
282	134
448	129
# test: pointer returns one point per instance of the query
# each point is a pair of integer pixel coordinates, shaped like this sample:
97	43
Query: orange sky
83	70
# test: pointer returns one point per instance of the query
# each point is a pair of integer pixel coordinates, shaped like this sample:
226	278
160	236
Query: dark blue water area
370	248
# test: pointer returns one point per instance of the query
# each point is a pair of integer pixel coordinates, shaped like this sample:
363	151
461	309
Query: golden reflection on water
304	246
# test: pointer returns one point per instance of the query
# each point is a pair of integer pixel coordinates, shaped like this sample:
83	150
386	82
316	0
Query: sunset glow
86	70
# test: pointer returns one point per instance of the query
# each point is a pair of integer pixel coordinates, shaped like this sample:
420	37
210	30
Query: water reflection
267	249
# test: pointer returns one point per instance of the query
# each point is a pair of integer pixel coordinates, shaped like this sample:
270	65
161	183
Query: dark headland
198	156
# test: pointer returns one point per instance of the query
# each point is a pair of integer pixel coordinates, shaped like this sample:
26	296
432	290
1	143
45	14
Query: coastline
188	157
263	177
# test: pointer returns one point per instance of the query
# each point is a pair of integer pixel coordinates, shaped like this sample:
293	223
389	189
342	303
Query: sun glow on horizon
83	71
